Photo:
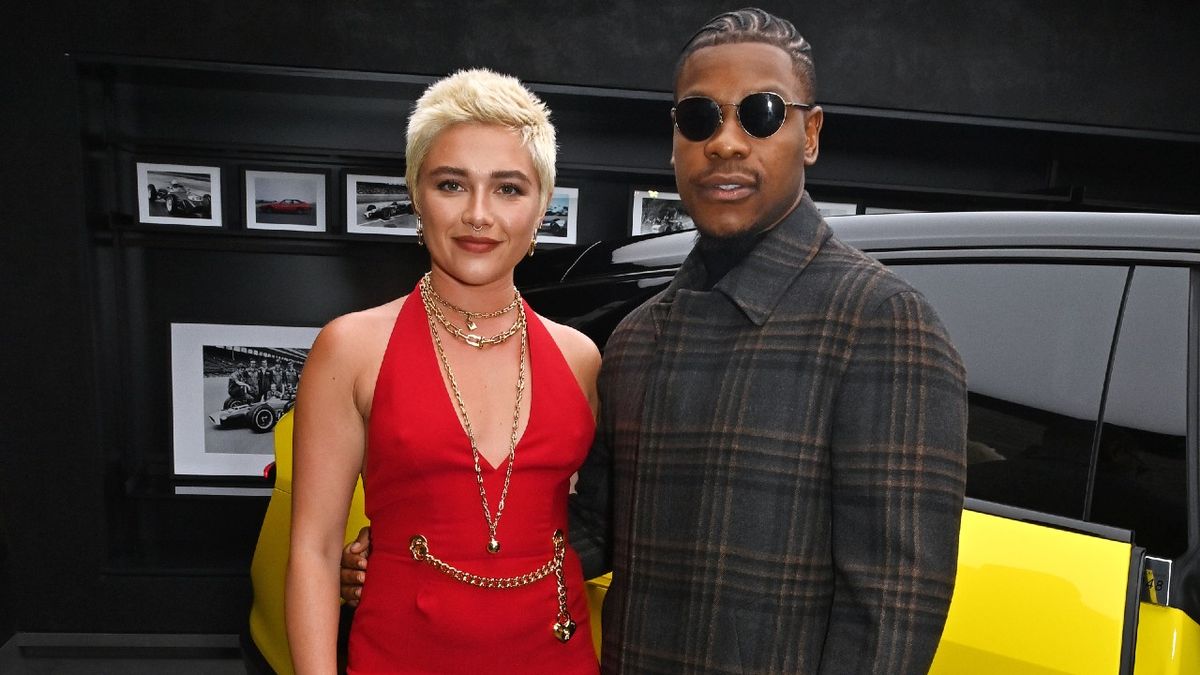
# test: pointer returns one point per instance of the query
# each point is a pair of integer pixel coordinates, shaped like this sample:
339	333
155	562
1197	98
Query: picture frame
285	200
831	209
559	222
179	194
379	204
222	411
656	211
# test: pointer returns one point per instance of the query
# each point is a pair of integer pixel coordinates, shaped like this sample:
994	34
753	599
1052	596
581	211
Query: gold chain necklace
470	317
473	339
493	545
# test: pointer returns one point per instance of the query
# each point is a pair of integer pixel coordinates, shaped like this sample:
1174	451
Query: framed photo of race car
377	204
179	194
285	200
558	224
655	211
230	384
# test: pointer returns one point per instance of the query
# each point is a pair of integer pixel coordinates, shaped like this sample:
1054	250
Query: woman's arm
329	445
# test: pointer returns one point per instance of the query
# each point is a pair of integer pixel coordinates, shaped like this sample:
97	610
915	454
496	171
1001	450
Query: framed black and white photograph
179	194
558	224
285	200
379	205
829	209
655	211
230	384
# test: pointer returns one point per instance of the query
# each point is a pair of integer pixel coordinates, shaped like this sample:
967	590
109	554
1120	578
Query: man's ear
812	135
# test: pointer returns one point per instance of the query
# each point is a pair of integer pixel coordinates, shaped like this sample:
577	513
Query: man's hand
354	566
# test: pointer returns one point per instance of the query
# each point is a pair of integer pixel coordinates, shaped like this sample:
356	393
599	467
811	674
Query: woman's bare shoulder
360	333
365	322
581	355
579	350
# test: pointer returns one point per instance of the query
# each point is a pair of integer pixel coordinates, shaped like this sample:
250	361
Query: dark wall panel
1110	62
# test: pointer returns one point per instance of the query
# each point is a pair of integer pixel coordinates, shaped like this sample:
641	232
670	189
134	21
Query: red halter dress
420	479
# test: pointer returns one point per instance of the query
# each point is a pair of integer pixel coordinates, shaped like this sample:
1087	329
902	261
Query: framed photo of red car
230	384
285	200
379	204
656	211
179	194
558	224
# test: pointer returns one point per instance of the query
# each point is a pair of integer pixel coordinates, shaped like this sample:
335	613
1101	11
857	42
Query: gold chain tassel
564	626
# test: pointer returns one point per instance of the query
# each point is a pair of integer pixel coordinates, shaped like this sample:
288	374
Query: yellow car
1080	543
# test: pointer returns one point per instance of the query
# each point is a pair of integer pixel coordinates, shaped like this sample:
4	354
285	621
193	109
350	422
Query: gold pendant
471	324
563	630
493	546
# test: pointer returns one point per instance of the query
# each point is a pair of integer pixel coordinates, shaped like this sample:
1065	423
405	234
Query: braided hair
752	24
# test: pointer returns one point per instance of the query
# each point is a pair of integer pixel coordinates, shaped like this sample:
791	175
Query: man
779	473
254	376
264	380
275	377
291	379
237	387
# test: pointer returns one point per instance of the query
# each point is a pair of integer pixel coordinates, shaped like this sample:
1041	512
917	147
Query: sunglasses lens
762	114
697	118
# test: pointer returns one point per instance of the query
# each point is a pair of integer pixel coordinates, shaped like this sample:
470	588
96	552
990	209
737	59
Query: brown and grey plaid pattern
780	469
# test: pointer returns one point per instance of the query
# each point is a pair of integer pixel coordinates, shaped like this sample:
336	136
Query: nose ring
477	229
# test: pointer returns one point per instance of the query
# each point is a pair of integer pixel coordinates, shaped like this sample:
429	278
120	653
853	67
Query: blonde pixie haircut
487	97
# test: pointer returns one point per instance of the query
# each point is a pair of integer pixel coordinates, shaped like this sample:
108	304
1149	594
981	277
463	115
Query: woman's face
479	203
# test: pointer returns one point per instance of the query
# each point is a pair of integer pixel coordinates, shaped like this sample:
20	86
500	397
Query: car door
1077	374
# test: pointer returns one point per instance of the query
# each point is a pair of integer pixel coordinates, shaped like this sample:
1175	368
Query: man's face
733	183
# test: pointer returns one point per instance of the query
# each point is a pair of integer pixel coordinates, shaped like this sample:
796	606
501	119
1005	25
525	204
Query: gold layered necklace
564	626
427	297
469	317
474	339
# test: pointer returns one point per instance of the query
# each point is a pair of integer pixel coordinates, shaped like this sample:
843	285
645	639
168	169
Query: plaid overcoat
779	473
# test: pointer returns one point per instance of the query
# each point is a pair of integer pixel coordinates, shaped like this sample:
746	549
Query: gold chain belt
563	627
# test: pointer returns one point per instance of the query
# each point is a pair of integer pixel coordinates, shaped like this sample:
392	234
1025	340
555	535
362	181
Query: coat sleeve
898	478
590	511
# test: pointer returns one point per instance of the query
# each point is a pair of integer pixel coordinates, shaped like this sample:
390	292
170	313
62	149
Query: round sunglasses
760	114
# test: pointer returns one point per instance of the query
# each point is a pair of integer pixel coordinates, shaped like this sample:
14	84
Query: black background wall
934	104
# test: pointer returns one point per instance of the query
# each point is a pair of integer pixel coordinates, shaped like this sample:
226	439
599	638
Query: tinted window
1141	476
1035	340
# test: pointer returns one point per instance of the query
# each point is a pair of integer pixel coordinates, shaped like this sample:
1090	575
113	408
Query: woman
466	414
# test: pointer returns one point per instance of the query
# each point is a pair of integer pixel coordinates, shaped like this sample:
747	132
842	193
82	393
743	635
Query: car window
1035	340
1141	476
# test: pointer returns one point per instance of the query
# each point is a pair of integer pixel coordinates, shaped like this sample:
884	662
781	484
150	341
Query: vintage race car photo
181	201
670	220
392	210
554	226
286	206
258	416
